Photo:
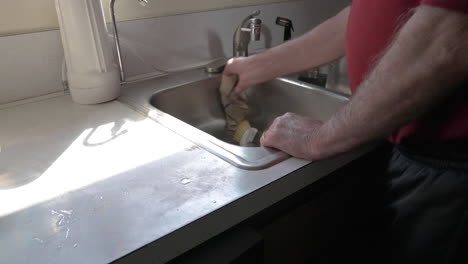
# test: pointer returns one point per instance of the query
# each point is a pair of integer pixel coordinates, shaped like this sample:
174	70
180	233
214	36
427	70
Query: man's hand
295	135
424	65
293	56
247	72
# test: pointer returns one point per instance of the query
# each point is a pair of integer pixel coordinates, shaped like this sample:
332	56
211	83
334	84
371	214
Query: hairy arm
296	55
426	61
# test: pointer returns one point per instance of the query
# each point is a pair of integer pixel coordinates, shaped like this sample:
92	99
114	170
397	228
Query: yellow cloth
235	105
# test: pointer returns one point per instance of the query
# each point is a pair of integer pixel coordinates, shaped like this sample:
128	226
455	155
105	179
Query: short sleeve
455	5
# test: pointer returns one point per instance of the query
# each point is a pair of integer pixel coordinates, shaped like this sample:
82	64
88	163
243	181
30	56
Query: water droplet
75	245
60	222
214	201
38	240
124	191
68	212
100	197
64	217
185	181
68	233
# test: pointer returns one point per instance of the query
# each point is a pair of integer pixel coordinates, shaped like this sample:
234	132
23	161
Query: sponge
244	134
243	126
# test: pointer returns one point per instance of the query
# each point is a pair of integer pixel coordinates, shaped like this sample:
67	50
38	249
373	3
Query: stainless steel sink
188	104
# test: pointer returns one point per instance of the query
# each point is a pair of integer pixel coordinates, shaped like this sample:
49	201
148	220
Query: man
408	65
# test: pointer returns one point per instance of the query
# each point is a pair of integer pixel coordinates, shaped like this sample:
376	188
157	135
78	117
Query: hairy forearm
425	63
307	51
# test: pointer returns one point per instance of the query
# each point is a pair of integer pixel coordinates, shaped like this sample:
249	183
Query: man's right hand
247	73
293	56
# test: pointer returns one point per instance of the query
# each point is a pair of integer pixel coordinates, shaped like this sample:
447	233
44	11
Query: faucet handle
256	28
143	2
253	15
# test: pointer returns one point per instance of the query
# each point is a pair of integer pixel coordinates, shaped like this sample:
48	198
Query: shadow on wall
215	45
266	32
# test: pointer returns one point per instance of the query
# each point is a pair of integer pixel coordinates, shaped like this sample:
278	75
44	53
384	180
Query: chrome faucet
116	38
249	30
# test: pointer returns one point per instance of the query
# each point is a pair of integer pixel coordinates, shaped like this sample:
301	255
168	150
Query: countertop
90	184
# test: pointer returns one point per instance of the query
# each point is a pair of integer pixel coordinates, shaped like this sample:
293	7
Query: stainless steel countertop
90	184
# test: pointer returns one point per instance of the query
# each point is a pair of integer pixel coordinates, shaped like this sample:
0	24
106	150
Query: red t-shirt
371	27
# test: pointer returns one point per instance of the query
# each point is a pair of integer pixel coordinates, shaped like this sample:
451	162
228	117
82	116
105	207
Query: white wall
30	64
27	16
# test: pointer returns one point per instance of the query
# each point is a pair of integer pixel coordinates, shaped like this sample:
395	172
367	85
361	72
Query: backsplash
18	17
30	64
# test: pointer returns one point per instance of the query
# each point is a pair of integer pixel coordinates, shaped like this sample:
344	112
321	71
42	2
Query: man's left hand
295	135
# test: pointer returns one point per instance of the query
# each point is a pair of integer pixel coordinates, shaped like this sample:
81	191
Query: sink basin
198	104
191	107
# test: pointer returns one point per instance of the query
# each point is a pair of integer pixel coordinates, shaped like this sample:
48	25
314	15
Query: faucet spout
249	30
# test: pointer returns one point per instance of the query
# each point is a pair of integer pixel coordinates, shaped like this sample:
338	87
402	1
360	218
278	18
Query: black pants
426	210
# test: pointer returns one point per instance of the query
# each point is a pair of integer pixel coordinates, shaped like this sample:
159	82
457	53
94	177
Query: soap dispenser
93	75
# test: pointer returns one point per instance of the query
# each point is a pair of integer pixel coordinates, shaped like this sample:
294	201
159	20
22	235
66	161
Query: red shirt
371	26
